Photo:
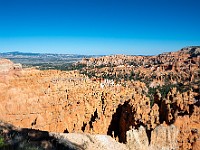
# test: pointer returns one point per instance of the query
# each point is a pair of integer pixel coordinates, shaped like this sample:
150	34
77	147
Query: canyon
142	102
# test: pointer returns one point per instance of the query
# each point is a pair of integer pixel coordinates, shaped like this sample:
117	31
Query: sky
99	27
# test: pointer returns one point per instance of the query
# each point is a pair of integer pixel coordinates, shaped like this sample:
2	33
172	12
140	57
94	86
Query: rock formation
6	66
23	138
113	95
162	137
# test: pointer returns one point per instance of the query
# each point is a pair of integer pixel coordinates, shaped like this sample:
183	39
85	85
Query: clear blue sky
99	26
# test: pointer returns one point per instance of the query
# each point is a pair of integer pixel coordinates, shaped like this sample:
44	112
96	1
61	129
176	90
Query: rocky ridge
23	138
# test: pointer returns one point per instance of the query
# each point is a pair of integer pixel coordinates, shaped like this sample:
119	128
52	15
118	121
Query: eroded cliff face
66	102
62	101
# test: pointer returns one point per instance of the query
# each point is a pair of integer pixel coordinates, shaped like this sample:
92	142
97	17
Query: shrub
2	143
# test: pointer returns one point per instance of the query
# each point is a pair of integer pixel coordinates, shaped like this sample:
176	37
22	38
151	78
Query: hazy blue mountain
44	60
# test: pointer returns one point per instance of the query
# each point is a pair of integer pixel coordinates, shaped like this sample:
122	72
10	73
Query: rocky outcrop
192	50
88	141
137	139
6	66
23	138
162	137
12	138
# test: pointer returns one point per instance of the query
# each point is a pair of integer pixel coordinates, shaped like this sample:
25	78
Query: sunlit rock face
6	66
162	137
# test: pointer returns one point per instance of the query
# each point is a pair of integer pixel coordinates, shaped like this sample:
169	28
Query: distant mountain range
29	54
43	60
